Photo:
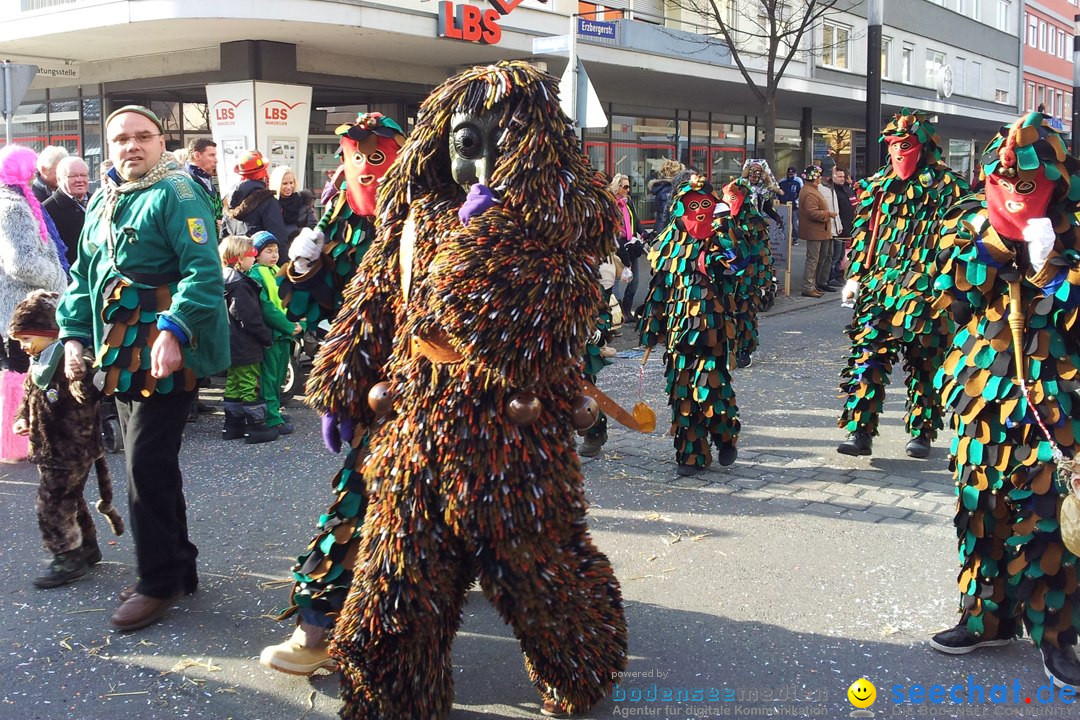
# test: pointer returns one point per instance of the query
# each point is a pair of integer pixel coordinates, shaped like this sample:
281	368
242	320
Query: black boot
918	447
234	420
64	568
858	443
726	454
91	551
593	444
256	429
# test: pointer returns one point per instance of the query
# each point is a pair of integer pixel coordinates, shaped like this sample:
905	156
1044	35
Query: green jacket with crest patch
163	235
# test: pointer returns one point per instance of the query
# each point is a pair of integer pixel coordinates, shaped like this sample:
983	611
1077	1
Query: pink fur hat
18	165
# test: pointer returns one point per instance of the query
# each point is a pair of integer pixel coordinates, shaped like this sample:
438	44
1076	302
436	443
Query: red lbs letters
469	23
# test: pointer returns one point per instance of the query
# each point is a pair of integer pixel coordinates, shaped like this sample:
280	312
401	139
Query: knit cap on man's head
138	110
35	315
263	238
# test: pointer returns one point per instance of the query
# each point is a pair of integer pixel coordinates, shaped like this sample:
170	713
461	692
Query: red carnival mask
698	214
904	154
734	198
365	164
1011	202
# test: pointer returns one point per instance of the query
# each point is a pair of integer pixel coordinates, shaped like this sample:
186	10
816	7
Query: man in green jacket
147	296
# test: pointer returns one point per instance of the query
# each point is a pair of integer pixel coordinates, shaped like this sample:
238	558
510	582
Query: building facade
667	86
1048	58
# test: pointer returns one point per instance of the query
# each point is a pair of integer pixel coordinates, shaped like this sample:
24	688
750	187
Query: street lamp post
873	84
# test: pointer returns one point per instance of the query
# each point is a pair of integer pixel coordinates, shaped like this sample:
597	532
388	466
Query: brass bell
380	399
523	408
585	412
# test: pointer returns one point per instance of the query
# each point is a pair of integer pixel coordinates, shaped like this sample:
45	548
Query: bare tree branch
772	31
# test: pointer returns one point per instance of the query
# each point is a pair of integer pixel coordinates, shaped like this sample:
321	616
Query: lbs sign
461	21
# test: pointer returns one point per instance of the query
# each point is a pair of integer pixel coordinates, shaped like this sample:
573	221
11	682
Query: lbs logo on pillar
276	112
225	112
462	21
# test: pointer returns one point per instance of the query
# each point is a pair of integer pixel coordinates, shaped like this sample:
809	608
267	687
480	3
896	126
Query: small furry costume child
64	426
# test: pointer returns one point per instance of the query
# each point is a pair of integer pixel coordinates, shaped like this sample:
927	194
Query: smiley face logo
862	693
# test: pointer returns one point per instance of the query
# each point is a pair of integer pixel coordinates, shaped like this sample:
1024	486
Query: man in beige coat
815	227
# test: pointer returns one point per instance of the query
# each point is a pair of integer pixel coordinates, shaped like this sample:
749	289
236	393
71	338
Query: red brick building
1047	53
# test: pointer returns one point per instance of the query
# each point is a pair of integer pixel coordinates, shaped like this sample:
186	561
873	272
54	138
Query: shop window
196	117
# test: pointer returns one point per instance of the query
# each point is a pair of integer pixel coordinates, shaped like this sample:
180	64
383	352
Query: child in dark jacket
62	421
276	358
245	412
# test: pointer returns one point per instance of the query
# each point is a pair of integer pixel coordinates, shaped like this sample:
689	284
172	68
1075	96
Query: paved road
789	575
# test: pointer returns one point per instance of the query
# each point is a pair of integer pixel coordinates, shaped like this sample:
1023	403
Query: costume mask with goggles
1012	201
368	147
1023	167
698	204
734	197
912	143
905	151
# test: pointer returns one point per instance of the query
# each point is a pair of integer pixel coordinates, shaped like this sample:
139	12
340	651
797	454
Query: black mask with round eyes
474	147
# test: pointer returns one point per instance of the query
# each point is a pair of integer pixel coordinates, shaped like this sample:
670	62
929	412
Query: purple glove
479	199
335	431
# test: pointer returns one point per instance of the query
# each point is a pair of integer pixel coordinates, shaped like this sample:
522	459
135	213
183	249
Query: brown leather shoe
190	588
138	611
813	293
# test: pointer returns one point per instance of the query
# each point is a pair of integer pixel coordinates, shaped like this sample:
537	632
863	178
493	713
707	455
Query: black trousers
153	428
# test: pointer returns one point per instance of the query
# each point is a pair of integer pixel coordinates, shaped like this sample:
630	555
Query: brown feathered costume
466	323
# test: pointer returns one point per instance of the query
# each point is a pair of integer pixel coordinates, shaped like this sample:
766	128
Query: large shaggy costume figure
690	310
895	242
474	310
1019	238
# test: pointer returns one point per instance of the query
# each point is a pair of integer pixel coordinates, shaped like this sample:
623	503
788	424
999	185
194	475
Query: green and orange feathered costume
458	349
1010	271
747	228
312	289
690	310
891	277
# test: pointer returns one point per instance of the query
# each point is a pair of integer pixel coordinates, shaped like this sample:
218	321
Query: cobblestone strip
801	484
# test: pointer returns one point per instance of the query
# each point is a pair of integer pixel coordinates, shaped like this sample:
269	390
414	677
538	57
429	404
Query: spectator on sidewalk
67	206
815	226
251	206
45	181
845	199
790	187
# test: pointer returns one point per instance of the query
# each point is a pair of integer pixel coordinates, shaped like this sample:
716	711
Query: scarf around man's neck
114	186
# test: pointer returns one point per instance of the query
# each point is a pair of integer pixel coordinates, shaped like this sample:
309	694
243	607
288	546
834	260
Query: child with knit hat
276	358
62	421
249	337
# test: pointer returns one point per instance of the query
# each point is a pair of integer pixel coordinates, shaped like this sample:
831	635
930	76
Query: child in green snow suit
276	358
